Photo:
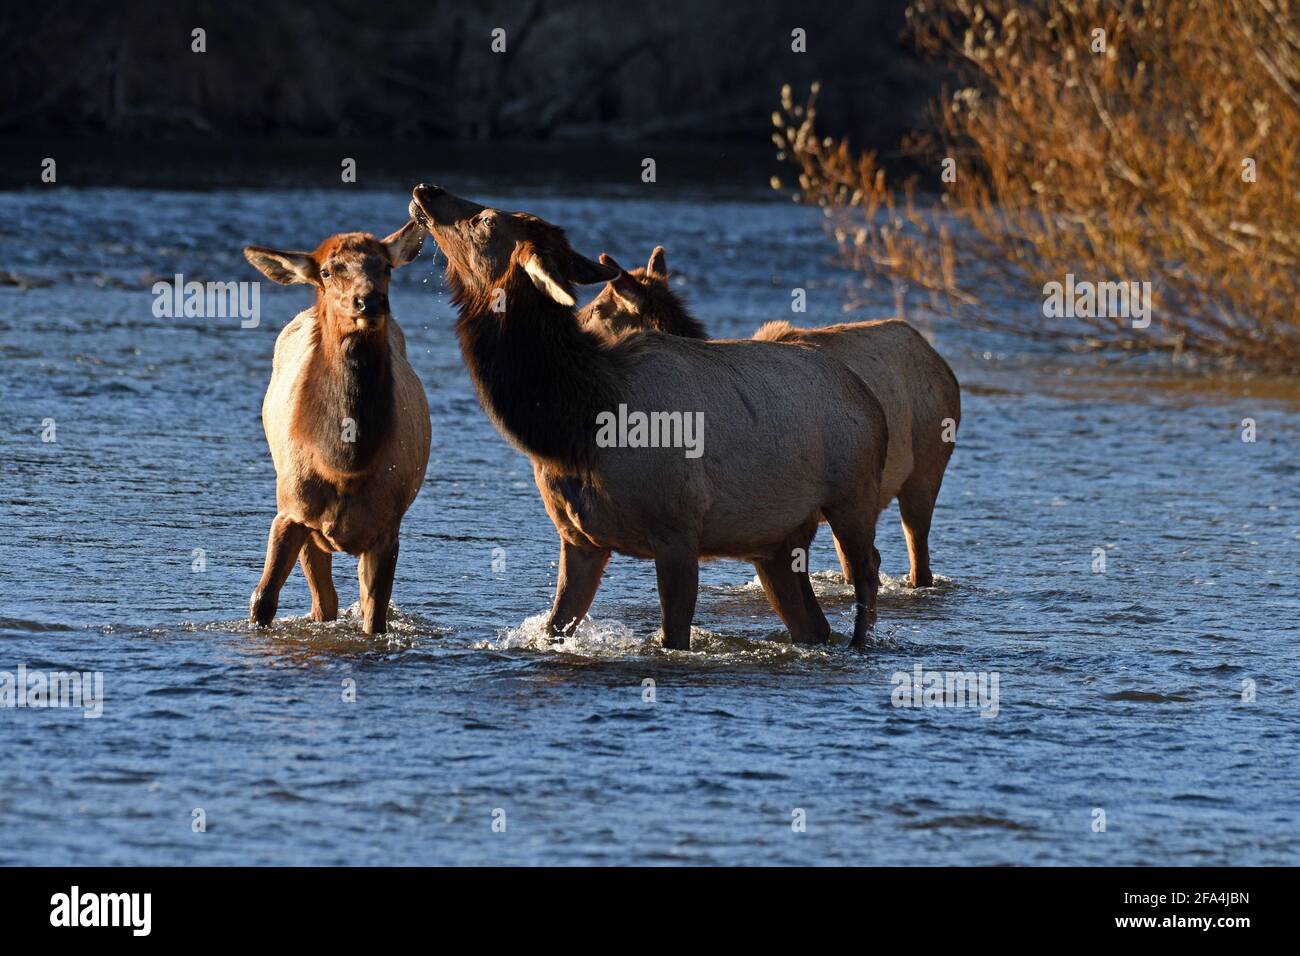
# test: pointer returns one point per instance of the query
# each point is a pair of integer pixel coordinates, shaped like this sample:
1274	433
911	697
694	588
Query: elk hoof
681	643
261	611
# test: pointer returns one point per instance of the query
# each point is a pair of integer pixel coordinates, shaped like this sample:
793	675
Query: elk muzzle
371	305
433	206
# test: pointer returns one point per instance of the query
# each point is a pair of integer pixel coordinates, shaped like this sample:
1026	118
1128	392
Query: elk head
640	300
350	272
487	249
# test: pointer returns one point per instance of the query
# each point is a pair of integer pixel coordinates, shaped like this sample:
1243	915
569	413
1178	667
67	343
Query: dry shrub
1124	165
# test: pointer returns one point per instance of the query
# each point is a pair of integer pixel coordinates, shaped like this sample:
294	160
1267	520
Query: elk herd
800	426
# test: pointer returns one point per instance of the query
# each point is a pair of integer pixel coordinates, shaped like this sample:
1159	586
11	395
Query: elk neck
541	378
668	313
346	404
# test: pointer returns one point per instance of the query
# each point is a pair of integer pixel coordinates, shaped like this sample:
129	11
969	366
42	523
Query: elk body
919	393
771	462
347	422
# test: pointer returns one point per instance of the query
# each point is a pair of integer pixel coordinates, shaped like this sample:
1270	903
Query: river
1108	551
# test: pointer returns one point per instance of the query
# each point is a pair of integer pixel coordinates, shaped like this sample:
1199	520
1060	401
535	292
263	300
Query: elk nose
376	303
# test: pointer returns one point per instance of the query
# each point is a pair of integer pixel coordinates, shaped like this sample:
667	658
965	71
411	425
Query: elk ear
544	277
608	262
585	272
624	287
404	245
658	264
286	268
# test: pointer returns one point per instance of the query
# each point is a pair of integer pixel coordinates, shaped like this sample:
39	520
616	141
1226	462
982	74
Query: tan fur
914	384
922	402
766	458
340	367
349	512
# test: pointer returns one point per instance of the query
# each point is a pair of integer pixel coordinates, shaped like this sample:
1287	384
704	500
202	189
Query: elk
346	420
639	300
919	393
772	461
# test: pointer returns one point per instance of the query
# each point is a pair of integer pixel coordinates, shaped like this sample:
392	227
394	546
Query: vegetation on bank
1127	142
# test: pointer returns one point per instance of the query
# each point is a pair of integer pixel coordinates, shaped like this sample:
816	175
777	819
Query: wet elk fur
772	461
919	393
347	422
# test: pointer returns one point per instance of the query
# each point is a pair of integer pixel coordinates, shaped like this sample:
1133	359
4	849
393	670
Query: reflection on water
1160	687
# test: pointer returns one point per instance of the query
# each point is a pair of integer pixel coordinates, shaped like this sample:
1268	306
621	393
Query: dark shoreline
713	169
717	170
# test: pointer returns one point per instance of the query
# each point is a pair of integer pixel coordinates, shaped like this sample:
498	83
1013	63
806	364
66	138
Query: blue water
1120	691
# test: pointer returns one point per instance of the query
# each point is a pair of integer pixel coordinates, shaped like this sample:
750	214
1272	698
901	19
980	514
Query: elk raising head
350	272
487	249
639	300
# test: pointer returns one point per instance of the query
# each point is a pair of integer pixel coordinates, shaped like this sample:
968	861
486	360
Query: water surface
1119	691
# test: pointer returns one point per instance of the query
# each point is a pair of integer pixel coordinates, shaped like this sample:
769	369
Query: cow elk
347	422
919	393
772	461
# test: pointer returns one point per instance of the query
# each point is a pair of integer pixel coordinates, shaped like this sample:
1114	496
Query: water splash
831	584
616	641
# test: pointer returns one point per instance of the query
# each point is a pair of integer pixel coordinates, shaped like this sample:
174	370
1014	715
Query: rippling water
1119	691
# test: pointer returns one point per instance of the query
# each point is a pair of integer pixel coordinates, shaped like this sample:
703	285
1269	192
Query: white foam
832	584
591	637
344	632
611	639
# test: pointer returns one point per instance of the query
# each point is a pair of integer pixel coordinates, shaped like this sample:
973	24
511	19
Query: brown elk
639	300
347	422
772	462
917	389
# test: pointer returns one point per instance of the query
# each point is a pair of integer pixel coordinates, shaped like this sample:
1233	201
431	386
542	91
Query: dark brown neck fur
540	377
346	378
666	312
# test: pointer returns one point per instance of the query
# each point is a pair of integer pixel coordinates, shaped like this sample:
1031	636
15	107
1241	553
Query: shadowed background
121	87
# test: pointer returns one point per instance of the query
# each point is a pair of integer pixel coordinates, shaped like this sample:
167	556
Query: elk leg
784	589
855	528
316	565
375	570
575	589
846	568
813	608
916	506
282	546
678	574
